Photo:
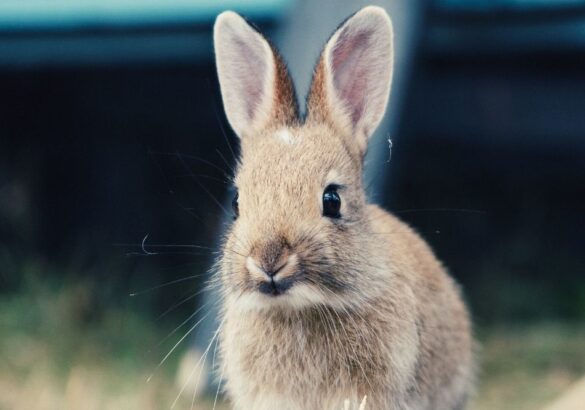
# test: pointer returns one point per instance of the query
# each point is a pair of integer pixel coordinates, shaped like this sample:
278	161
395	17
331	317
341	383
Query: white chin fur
299	296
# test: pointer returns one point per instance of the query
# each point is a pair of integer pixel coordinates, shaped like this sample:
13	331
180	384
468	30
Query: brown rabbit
326	297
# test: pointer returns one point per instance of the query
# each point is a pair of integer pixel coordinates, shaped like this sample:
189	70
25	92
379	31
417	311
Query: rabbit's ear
352	79
255	86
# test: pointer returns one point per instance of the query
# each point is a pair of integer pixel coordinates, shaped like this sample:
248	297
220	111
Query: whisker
146	252
216	112
201	185
218	387
171	192
182	324
222	181
164	359
193	157
461	210
172	282
199	378
198	362
164	254
163	245
144	249
176	305
226	162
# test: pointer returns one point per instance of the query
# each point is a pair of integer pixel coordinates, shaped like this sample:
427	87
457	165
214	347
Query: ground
52	358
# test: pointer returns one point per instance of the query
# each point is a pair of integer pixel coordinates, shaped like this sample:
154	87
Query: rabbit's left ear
352	79
255	86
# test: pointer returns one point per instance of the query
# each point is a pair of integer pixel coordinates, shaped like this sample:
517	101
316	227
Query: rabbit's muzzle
273	266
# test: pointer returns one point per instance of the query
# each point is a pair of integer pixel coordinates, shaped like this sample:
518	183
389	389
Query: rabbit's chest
296	363
277	357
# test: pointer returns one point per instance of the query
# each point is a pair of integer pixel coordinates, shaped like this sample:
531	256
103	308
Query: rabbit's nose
268	266
274	266
271	256
257	269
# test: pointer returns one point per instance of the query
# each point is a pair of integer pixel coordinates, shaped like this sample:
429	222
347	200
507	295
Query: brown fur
285	106
370	311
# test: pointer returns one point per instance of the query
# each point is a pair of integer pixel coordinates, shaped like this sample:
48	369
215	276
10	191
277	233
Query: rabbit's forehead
296	157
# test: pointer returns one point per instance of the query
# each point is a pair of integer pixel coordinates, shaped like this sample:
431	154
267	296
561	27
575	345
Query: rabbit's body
407	348
326	297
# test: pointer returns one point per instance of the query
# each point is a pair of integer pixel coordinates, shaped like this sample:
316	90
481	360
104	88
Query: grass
525	367
56	353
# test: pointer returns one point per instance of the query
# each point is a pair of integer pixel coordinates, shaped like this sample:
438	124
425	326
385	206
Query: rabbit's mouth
275	288
292	292
284	285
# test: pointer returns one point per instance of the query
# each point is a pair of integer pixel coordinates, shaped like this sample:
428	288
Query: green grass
58	350
525	367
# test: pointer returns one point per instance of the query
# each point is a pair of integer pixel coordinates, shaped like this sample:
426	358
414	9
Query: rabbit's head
301	232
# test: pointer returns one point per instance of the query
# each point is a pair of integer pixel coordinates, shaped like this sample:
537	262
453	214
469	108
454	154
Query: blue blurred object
60	14
506	26
484	5
104	32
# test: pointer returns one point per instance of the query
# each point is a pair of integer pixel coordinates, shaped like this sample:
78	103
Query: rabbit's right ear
352	79
255	86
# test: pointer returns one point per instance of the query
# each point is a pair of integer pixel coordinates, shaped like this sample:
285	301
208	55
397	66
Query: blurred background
115	158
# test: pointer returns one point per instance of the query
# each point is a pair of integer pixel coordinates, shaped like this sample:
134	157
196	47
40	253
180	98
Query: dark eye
235	206
331	202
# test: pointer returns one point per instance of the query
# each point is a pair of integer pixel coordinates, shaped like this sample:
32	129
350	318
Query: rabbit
325	297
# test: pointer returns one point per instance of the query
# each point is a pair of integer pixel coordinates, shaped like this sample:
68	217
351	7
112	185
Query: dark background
489	163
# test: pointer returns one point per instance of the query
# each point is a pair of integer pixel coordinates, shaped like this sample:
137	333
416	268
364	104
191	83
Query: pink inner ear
351	64
252	71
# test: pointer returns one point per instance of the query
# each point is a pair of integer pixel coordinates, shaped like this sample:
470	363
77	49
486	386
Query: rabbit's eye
235	206
331	202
